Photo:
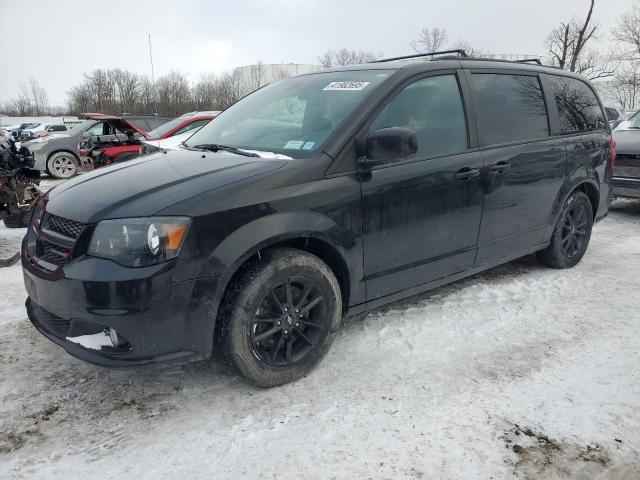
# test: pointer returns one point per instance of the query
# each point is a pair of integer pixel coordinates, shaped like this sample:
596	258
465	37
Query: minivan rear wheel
280	317
571	236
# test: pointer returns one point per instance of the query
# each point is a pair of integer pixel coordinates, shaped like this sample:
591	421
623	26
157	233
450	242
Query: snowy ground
520	372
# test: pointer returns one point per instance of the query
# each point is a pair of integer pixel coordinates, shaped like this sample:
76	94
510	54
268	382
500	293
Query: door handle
466	173
500	167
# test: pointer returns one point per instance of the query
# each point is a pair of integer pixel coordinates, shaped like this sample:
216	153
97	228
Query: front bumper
159	319
626	187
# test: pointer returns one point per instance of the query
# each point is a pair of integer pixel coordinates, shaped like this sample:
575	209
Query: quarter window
578	106
612	113
433	108
509	108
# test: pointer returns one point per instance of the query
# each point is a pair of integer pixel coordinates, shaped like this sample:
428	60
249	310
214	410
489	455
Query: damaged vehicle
126	141
314	198
18	188
57	154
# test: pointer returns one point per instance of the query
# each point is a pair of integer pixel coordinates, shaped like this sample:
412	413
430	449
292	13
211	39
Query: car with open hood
314	198
57	154
100	150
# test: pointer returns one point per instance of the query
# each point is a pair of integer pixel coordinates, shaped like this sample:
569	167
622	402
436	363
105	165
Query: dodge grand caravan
314	198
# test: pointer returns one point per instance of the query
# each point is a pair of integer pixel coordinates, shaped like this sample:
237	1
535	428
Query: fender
270	230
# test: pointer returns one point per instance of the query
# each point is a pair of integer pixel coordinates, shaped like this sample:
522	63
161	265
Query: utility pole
153	78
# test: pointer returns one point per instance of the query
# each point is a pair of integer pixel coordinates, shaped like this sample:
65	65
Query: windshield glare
294	116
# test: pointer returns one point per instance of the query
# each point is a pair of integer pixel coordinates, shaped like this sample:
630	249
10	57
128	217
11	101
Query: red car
122	141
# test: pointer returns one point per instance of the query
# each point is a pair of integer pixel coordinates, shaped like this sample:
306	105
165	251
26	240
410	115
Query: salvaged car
18	184
626	175
57	154
99	150
314	198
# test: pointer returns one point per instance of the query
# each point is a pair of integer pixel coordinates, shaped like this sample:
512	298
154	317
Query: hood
119	123
147	185
627	141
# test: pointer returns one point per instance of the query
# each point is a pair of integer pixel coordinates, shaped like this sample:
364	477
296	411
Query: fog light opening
116	340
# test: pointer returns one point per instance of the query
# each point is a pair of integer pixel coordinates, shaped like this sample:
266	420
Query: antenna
153	77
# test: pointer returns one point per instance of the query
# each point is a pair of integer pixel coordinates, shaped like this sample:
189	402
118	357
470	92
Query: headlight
139	242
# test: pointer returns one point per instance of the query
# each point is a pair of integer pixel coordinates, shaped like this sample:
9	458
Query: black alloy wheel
574	230
289	322
570	238
280	316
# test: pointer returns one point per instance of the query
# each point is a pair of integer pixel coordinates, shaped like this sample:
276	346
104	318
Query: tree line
577	44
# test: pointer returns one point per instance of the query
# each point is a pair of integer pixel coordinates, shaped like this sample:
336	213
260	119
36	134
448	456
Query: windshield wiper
214	147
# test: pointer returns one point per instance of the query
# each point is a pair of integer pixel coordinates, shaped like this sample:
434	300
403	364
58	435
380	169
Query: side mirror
389	145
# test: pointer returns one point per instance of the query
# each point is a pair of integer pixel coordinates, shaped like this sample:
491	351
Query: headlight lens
139	242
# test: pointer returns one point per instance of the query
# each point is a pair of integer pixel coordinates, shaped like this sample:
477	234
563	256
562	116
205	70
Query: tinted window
578	107
509	108
433	108
612	113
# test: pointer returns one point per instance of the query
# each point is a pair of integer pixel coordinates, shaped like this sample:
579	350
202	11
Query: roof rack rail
529	60
460	52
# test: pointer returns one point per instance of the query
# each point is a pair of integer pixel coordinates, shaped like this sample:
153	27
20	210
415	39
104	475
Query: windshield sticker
294	144
308	145
346	86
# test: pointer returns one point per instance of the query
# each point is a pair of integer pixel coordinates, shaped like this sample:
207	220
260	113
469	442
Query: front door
421	215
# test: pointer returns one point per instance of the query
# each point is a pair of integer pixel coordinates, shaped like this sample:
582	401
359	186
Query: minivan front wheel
62	165
280	318
571	236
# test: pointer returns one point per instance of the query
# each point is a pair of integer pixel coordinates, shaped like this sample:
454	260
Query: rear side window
509	108
578	106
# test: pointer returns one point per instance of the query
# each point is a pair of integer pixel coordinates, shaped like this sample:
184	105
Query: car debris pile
18	188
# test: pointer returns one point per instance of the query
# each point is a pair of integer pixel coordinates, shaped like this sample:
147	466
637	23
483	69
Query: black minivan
314	198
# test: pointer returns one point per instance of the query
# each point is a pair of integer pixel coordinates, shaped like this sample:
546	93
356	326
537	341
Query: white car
171	143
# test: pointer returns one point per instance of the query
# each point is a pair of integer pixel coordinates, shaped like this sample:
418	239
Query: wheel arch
314	244
588	186
61	150
308	231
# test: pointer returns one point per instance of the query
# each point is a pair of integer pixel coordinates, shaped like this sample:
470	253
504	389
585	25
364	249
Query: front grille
63	226
51	253
52	240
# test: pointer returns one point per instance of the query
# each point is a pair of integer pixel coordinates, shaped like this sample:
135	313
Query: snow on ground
520	372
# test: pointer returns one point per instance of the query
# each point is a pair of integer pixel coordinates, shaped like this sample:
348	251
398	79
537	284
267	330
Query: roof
420	64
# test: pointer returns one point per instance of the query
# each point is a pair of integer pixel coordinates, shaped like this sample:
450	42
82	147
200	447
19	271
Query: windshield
165	128
294	116
634	121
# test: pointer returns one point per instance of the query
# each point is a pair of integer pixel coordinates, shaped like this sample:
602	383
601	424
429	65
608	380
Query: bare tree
568	45
624	87
39	97
430	40
627	32
256	76
344	56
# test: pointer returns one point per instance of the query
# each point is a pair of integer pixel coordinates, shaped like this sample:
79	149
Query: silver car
57	154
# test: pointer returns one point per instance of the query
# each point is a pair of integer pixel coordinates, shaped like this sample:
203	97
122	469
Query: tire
62	165
571	236
18	221
259	317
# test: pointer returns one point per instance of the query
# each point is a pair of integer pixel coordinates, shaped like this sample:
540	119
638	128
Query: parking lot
520	370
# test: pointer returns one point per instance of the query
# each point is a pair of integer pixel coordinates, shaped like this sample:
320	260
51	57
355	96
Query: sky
57	42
